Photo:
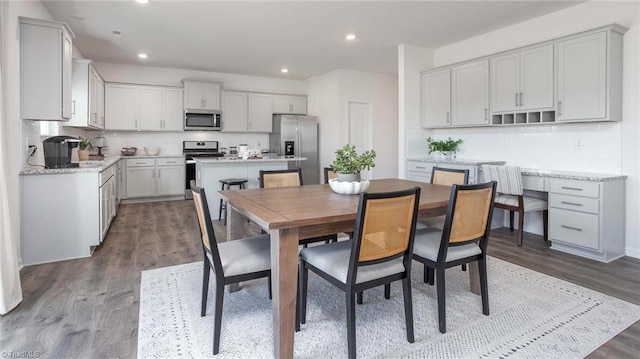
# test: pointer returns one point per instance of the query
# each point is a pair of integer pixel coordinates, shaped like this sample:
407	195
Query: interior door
360	130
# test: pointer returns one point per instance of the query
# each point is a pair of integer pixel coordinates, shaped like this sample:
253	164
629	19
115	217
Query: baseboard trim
152	199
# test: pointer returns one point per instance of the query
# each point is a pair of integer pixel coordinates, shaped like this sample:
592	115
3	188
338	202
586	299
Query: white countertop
219	160
88	166
570	175
459	161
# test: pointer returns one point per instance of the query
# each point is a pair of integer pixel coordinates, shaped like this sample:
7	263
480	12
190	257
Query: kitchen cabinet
143	108
470	94
141	181
420	170
107	199
436	98
159	177
290	104
87	105
260	112
201	95
247	112
119	185
522	80
45	70
234	110
171	177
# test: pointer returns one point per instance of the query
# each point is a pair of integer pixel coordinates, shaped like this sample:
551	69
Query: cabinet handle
521	99
571	203
516	99
422	168
249	125
571	228
571	188
290	108
486	113
140	163
73	107
559	108
136	123
171	162
448	116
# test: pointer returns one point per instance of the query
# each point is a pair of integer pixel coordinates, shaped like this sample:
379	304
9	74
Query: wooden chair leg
520	226
304	276
351	324
359	297
408	308
484	288
511	221
425	274
464	267
431	274
217	320
269	284
205	287
387	291
220	210
442	310
545	226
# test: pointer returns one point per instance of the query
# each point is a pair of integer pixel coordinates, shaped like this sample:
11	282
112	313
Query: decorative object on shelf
84	147
348	164
344	187
129	151
99	142
152	151
448	148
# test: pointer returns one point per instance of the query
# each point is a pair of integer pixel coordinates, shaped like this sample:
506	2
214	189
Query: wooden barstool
228	182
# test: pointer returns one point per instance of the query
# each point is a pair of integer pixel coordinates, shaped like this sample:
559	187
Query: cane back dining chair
463	240
511	197
231	262
379	253
290	178
446	177
329	173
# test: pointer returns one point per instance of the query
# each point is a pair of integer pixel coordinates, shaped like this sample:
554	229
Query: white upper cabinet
173	115
261	112
87	104
122	107
522	80
234	109
201	95
470	94
436	98
45	70
143	108
151	108
290	104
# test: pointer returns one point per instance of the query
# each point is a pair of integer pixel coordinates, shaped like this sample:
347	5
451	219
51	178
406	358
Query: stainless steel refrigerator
297	136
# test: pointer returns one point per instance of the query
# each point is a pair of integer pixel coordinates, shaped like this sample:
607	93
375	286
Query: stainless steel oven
202	120
193	150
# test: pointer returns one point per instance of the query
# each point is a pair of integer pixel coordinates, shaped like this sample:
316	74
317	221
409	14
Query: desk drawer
419	166
575	228
575	188
574	203
141	162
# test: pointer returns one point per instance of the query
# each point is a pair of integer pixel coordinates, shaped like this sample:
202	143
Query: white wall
607	147
329	95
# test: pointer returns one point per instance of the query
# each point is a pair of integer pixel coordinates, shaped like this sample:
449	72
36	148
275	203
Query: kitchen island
209	172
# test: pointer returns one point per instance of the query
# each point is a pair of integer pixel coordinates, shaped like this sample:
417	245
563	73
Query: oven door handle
190	162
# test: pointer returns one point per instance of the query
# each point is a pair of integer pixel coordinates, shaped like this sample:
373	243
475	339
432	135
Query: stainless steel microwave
202	120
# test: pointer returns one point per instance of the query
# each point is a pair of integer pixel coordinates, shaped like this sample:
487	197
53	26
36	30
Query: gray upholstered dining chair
463	240
231	262
379	253
511	197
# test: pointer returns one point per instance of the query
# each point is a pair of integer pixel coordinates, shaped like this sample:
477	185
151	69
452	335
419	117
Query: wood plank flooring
89	307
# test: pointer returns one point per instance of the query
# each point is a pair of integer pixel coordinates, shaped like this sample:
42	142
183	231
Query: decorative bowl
348	187
128	151
152	151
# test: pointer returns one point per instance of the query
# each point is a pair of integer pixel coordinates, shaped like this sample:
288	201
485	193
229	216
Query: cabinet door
140	182
151	108
582	78
234	111
170	180
100	103
260	112
67	57
282	104
211	97
121	107
104	210
173	110
470	94
436	98
193	95
299	105
536	78
93	98
505	83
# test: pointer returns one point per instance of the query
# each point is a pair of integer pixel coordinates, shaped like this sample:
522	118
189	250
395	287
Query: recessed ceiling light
142	55
284	70
116	33
142	1
350	37
77	17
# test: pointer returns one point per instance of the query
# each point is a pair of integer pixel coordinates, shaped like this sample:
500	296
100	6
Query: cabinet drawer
420	166
575	228
419	177
106	174
575	188
141	162
574	203
170	161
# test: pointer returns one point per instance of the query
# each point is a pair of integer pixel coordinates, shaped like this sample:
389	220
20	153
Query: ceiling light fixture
142	55
142	1
284	70
350	37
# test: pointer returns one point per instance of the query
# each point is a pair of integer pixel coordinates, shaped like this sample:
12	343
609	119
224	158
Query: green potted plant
84	147
348	163
448	147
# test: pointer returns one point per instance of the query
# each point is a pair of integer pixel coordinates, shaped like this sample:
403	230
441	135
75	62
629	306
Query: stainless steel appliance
202	120
297	136
192	150
57	151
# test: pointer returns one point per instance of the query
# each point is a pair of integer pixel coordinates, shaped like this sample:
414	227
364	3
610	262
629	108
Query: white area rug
532	315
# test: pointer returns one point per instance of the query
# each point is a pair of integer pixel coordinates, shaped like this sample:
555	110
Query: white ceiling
258	38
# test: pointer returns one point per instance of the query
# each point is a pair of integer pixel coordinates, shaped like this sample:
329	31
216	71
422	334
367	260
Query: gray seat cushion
427	245
531	204
333	259
245	256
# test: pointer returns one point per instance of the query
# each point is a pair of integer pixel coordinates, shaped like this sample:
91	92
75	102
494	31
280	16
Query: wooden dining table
290	214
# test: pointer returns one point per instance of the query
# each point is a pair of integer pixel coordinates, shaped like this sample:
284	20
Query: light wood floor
89	307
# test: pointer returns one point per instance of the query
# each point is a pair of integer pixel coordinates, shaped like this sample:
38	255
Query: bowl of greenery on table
447	148
349	165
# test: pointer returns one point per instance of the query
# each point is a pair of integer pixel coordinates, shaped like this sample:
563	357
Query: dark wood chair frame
326	174
327	239
520	210
441	264
351	288
216	265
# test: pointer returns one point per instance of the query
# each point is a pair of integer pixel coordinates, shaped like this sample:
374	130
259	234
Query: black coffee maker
57	151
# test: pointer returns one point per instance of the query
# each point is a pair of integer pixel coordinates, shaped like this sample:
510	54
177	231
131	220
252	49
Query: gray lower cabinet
154	177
